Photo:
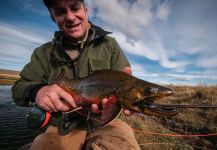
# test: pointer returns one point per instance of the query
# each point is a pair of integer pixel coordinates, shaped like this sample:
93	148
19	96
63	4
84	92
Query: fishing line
160	134
89	116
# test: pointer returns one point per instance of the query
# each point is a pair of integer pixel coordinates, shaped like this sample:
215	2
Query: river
13	129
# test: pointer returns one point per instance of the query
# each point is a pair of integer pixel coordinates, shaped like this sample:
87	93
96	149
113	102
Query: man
80	48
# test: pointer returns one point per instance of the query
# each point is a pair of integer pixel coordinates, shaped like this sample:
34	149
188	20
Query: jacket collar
57	53
97	32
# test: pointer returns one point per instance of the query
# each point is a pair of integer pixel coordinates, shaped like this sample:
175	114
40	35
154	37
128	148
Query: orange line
161	134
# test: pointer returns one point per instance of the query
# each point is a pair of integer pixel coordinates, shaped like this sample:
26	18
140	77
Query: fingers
50	105
67	97
127	70
59	104
50	98
104	101
53	98
95	108
127	112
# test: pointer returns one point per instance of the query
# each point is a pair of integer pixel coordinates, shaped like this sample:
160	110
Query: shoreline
8	77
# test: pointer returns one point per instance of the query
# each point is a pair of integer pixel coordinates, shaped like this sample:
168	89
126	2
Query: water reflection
13	130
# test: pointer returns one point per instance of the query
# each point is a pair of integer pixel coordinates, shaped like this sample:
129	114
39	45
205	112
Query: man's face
71	17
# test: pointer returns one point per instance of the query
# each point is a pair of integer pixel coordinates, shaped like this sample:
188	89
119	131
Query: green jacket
100	52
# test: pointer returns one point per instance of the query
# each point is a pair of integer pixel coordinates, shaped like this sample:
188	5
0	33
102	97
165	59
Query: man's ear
85	7
51	16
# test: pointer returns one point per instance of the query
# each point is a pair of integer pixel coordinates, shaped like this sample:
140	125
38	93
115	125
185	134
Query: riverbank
8	77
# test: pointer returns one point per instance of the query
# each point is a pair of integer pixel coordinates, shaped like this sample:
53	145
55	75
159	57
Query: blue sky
166	41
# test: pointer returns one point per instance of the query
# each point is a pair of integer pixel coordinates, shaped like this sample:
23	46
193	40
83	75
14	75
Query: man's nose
70	16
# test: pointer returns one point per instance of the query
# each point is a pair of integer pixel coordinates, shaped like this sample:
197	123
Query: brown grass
188	121
8	77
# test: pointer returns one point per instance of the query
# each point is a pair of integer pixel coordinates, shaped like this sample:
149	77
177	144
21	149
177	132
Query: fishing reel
38	118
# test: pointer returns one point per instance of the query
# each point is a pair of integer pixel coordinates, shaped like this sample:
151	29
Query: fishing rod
189	106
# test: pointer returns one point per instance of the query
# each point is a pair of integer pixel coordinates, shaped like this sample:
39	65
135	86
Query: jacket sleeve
118	58
33	76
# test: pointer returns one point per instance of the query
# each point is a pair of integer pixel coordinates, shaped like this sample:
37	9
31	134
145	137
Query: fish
123	91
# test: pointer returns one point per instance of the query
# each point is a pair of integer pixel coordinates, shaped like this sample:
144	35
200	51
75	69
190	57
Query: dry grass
7	82
8	77
188	121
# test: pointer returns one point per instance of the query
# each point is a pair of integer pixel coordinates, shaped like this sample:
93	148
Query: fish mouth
148	107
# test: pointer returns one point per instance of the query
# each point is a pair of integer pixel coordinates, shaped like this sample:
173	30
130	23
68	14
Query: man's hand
126	112
95	109
51	97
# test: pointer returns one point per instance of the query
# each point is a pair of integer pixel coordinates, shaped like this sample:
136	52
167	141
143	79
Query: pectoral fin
111	110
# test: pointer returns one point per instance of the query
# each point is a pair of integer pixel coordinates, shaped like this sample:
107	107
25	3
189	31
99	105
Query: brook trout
123	91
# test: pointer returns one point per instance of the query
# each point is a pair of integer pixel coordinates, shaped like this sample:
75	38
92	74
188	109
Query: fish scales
102	84
127	91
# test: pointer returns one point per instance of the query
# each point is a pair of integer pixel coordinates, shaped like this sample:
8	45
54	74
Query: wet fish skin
131	93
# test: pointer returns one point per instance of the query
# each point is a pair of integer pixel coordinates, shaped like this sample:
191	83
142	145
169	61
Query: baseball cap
48	3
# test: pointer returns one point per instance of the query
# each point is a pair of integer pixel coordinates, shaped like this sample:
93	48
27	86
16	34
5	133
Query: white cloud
11	32
137	48
17	44
10	49
194	32
207	62
129	18
138	70
163	10
154	51
135	21
139	31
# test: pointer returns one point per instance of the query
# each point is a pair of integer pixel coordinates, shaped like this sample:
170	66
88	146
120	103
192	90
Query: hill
8	77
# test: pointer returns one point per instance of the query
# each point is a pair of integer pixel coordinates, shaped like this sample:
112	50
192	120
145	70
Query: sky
165	41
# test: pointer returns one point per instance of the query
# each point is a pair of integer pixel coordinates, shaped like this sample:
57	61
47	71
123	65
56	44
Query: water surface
13	129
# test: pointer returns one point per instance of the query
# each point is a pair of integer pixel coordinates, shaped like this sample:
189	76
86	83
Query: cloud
154	52
127	17
11	32
163	10
178	35
147	28
132	24
17	44
138	70
194	32
209	62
